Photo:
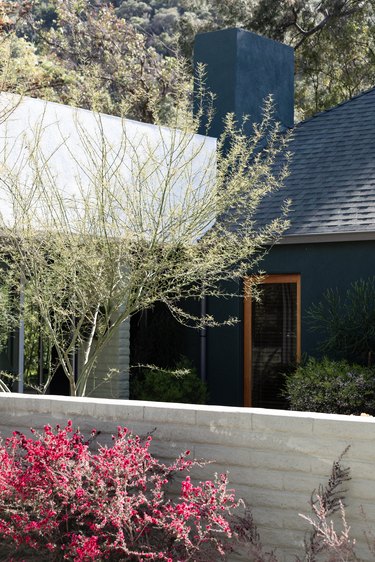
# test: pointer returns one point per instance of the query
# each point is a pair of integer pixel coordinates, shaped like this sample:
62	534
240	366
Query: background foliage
133	56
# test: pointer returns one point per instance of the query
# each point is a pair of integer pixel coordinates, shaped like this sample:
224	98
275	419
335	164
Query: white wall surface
275	459
150	170
110	377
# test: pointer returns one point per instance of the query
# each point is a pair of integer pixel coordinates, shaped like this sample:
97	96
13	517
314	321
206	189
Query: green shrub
345	322
334	387
181	384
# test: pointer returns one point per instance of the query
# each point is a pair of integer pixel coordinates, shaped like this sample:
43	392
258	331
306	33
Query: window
272	338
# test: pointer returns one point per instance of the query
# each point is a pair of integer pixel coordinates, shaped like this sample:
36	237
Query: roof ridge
345	102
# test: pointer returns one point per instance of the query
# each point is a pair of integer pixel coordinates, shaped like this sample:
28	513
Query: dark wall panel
322	266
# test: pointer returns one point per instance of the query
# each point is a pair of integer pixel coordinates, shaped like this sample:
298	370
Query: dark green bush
334	387
181	384
345	322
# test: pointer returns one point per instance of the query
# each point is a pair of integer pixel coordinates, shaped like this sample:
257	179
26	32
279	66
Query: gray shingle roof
332	173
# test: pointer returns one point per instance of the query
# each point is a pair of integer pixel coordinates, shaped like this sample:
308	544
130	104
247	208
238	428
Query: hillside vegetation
131	57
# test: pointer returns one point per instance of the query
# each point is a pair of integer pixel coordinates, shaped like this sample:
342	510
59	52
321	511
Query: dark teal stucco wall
321	265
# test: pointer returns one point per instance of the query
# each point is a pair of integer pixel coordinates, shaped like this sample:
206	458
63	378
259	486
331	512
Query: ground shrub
181	384
334	387
61	501
345	322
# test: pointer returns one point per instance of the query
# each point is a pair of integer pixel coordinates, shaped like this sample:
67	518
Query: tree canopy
133	56
124	234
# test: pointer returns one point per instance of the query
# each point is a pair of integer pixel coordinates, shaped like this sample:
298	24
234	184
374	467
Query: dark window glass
274	342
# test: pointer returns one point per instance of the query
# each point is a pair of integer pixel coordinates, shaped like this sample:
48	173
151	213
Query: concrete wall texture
115	356
275	459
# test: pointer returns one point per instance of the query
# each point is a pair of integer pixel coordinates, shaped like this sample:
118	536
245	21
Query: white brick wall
115	356
275	459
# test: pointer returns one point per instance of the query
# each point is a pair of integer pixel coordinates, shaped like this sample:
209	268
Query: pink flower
58	496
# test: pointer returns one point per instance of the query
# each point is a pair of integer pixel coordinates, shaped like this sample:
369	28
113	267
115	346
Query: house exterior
330	242
331	239
49	142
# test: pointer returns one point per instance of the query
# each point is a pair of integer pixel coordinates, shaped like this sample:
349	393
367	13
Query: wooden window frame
248	282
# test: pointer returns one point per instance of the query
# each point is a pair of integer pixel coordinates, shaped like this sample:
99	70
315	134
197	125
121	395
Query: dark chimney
242	70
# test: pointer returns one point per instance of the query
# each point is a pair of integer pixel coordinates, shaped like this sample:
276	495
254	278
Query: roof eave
315	238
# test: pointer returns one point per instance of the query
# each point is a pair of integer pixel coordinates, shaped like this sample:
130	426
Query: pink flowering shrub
61	501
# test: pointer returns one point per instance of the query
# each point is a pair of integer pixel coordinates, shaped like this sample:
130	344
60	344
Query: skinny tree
146	221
